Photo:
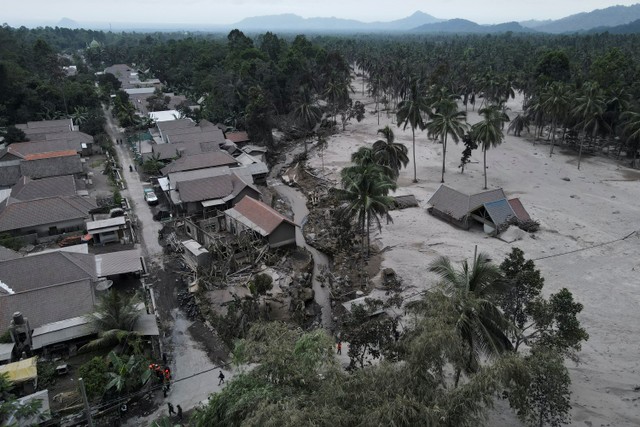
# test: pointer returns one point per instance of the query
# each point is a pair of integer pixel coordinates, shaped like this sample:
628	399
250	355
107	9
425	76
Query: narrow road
195	376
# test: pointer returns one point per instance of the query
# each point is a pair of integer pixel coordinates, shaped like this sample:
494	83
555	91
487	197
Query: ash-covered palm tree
555	103
488	132
630	121
473	289
365	198
389	153
519	123
114	318
447	120
410	112
306	112
590	107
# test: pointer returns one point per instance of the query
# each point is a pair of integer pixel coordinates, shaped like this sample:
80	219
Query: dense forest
577	89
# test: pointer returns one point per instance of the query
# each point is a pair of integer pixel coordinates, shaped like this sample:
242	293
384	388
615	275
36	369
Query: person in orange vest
339	347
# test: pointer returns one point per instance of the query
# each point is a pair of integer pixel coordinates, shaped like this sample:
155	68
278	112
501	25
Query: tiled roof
169	151
9	175
198	190
238	137
53	166
52	210
46	269
50	304
214	135
200	161
50	155
256	215
24	149
30	189
458	205
7	254
60	123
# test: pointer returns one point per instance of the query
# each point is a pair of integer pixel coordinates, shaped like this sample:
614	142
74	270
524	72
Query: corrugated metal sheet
146	325
118	263
458	205
519	209
5	351
500	211
64	330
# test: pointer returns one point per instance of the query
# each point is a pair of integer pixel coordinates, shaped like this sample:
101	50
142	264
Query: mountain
630	28
470	27
68	23
289	22
609	17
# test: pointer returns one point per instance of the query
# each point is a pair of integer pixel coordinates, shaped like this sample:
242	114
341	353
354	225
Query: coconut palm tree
630	121
114	318
389	153
306	112
473	289
518	124
410	113
365	196
590	106
489	131
447	120
555	103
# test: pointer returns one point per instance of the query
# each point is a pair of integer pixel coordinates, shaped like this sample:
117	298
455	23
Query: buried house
490	208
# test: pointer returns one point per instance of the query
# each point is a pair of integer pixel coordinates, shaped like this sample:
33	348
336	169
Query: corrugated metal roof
519	209
5	351
146	325
500	211
121	262
64	330
200	161
93	226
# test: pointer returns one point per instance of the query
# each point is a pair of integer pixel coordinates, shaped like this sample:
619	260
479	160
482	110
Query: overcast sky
26	12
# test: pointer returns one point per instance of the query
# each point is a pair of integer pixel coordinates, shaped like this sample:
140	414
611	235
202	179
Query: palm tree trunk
584	131
415	171
485	167
444	155
553	137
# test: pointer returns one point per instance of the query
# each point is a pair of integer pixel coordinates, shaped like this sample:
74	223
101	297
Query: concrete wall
62	227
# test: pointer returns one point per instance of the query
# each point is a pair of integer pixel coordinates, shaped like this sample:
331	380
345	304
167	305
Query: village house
251	215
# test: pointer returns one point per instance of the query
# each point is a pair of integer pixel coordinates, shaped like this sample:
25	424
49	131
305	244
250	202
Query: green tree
480	323
389	153
524	285
410	113
11	409
519	123
369	333
488	132
542	394
470	144
94	374
365	196
306	112
13	134
115	317
127	374
631	131
447	120
259	116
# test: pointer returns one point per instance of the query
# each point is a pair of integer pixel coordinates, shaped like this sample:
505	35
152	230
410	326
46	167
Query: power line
587	248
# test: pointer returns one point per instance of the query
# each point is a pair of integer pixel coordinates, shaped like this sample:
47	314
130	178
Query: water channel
298	203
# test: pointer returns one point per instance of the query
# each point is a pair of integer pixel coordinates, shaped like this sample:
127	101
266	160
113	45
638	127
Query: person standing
221	377
171	410
179	408
339	347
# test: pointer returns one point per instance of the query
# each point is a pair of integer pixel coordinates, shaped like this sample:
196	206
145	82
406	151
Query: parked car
161	214
150	197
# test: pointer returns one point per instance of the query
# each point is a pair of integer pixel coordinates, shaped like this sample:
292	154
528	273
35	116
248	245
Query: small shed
107	230
6	349
195	255
23	373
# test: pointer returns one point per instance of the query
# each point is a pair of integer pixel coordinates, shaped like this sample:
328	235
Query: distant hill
470	27
610	17
290	22
535	23
630	28
68	23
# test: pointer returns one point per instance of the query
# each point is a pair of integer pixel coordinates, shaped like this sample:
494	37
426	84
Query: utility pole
86	402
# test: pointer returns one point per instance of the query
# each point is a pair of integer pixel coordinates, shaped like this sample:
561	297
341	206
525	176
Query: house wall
284	234
43	230
246	191
464	223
